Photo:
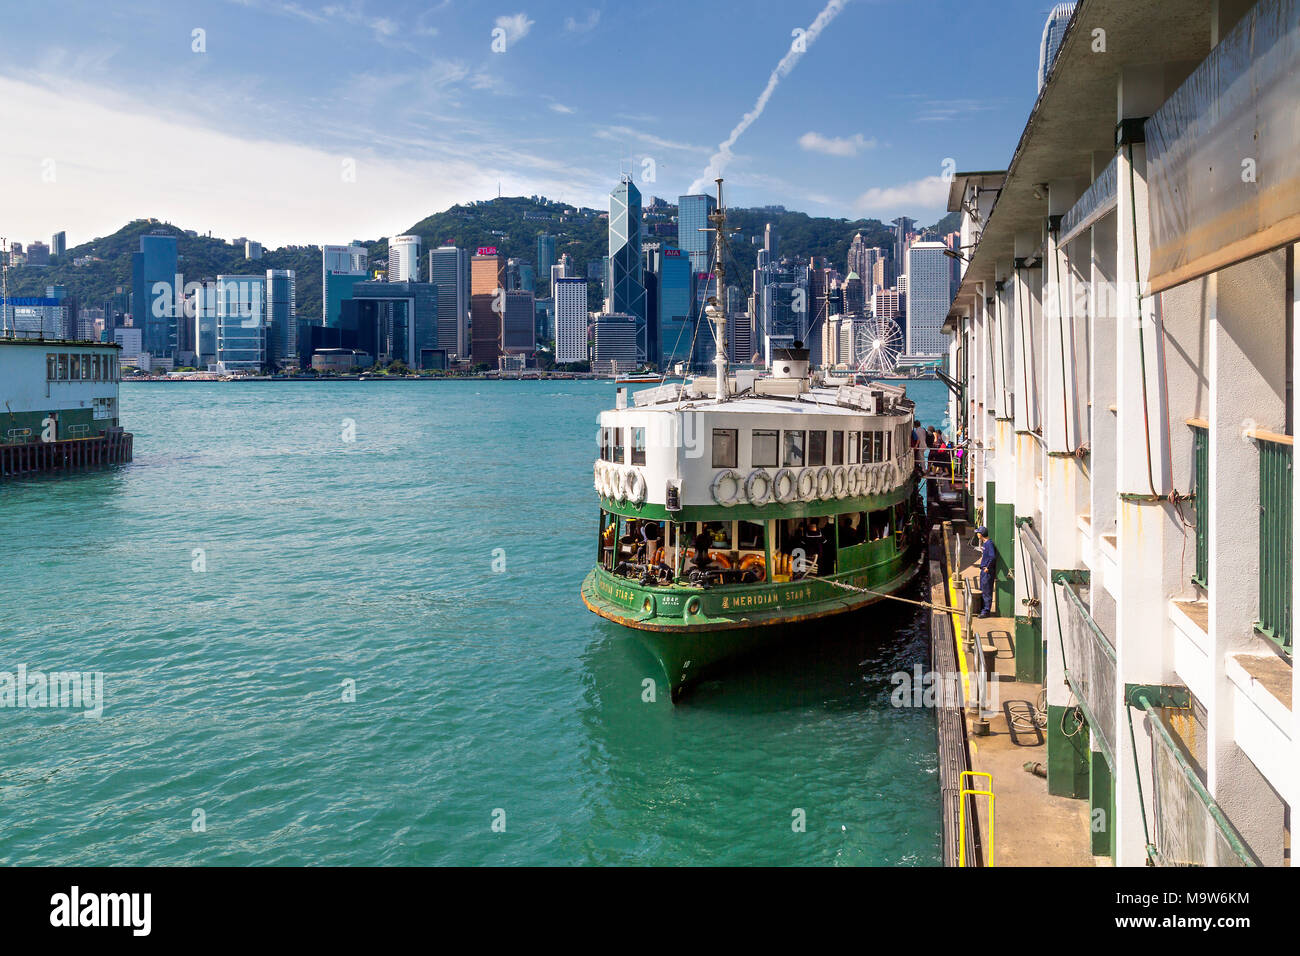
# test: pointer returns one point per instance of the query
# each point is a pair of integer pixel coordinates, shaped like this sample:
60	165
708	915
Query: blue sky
312	121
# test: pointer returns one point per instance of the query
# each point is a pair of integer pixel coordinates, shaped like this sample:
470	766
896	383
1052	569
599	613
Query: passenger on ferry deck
703	541
812	544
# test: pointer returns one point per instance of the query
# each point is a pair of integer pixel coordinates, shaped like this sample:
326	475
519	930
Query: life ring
658	557
754	562
792	489
840	482
720	559
807	484
603	478
754	477
716	487
599	473
853	481
619	485
866	474
825	483
634	487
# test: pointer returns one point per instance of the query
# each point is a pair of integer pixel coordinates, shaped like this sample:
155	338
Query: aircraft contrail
723	156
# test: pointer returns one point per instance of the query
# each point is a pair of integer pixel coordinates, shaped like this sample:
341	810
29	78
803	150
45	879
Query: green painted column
1031	663
1068	757
1004	589
1101	801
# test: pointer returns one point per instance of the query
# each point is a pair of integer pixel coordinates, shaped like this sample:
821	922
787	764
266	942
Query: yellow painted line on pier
961	654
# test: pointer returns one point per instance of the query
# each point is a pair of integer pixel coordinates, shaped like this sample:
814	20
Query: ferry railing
1201	501
1090	667
1275	532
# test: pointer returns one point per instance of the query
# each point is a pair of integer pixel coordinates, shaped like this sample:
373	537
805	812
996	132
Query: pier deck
1032	827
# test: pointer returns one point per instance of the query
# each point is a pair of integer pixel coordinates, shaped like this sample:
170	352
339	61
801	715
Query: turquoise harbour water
327	561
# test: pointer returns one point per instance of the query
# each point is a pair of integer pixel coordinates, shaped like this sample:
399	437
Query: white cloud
582	26
121	159
920	194
835	145
625	133
561	108
516	26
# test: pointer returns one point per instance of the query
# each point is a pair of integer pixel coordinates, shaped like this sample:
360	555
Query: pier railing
1201	502
1089	668
1275	530
1188	827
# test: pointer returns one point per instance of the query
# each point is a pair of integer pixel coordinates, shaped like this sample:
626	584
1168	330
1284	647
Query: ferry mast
716	307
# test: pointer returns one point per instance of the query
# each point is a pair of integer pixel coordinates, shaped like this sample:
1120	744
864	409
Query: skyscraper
396	321
156	289
241	323
282	318
449	270
519	324
673	305
205	323
59	244
902	226
1053	33
570	319
487	302
404	259
693	215
545	256
928	298
859	261
342	267
627	292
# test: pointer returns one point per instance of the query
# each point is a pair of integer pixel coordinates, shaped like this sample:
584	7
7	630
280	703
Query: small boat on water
736	505
637	379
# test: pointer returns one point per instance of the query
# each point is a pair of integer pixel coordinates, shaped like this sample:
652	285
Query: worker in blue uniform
988	559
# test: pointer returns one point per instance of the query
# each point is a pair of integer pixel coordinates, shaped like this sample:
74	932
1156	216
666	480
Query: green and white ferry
734	506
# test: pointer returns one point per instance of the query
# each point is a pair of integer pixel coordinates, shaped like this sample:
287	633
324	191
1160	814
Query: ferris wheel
878	343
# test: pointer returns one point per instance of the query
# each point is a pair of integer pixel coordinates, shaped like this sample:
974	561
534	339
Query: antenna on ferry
715	309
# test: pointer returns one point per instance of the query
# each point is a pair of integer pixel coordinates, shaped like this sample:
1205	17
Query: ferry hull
691	647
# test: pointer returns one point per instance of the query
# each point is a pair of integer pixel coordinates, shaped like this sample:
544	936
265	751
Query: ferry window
619	455
867	449
99	367
51	366
837	448
749	535
853	447
63	366
725	442
85	368
638	446
888	449
794	447
816	448
850	529
878	440
765	448
720	534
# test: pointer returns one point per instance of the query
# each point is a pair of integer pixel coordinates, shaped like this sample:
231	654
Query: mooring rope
943	608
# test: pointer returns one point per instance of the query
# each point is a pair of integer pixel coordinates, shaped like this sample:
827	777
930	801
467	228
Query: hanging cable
1142	352
1002	342
1060	323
